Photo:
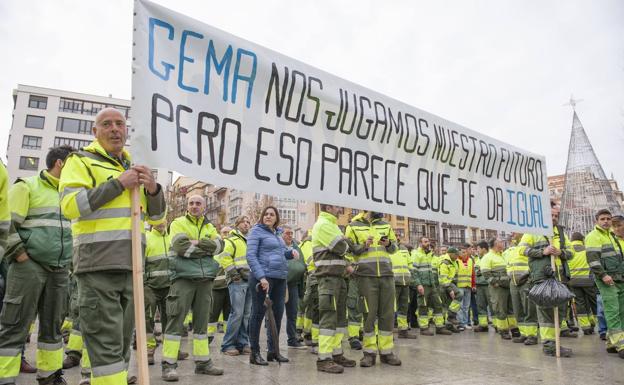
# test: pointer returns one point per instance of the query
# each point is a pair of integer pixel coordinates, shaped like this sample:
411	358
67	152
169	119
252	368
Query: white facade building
45	117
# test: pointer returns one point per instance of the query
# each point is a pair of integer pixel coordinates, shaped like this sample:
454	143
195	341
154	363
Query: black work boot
55	378
531	341
70	361
443	331
329	366
426	332
550	350
519	339
390	359
343	361
407	335
568	334
207	367
515	332
368	360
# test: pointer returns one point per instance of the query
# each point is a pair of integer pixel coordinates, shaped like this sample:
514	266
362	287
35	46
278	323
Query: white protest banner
232	113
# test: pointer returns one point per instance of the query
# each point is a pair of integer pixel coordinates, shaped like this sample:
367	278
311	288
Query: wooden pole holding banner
137	287
553	265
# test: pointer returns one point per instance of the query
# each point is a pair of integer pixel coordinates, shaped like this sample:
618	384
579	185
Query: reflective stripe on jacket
5	214
38	227
194	261
233	259
157	257
604	255
99	207
328	246
401	266
580	273
373	261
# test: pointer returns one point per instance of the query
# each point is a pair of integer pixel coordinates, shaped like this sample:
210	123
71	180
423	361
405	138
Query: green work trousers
332	300
586	305
312	310
483	302
430	300
354	308
613	302
220	303
378	294
452	305
184	295
499	298
32	289
155	300
75	344
106	313
524	310
401	295
546	321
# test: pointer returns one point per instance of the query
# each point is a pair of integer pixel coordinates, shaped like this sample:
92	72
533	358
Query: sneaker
231	352
469	327
461	328
481	329
297	345
246	350
603	336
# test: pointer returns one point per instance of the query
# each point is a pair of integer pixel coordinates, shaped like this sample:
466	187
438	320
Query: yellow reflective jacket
401	266
494	269
517	265
328	247
373	261
38	227
447	271
604	254
5	214
194	261
533	245
233	259
157	255
100	209
465	271
580	273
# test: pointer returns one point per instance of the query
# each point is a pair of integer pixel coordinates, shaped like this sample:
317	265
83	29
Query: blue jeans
602	321
291	315
463	314
236	335
277	293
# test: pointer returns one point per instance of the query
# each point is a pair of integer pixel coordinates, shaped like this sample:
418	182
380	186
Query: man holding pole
95	194
541	250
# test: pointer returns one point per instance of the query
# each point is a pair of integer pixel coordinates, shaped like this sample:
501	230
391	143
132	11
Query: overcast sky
504	68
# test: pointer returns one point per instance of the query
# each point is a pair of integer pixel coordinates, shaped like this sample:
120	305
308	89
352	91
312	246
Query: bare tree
254	209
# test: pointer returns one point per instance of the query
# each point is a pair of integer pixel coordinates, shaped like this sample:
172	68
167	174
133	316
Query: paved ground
468	358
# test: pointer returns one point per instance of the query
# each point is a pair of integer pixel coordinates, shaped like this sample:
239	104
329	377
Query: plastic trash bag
550	293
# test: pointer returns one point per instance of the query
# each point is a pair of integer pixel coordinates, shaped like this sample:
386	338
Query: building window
84	107
75	126
75	143
33	121
445	235
483	235
288	216
303	217
29	163
400	218
40	102
474	235
31	142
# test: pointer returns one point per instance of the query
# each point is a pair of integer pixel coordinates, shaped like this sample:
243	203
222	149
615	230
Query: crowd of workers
357	284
